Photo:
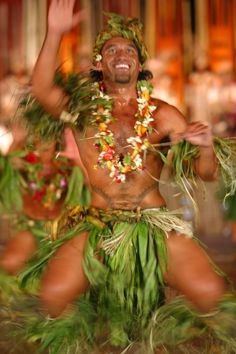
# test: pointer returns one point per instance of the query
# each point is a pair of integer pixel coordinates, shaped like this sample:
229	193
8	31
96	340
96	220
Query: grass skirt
126	302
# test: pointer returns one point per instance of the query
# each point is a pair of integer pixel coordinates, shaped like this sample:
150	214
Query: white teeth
122	66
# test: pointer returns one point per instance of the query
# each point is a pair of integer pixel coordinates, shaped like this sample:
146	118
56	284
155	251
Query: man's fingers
71	3
79	16
53	4
199	123
197	129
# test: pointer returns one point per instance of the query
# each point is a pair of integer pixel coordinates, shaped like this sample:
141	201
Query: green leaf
142	244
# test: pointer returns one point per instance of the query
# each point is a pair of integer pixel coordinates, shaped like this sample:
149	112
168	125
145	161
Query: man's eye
131	51
111	50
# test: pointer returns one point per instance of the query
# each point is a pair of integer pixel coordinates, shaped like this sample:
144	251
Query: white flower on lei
138	161
98	58
134	140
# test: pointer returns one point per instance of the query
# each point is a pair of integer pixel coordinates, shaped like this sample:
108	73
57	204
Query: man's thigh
192	273
64	279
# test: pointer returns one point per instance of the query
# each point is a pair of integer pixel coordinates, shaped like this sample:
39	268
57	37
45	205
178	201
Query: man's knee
54	298
206	295
19	249
191	273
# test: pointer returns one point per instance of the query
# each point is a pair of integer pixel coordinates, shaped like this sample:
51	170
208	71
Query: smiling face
120	61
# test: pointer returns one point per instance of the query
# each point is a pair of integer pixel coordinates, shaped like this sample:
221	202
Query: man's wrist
53	35
207	150
206	147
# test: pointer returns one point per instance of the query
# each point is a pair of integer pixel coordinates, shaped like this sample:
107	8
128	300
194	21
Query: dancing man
123	250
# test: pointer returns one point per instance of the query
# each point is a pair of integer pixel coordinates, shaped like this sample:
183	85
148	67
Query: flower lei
47	189
120	165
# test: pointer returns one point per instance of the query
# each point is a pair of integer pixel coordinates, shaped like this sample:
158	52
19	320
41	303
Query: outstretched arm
61	19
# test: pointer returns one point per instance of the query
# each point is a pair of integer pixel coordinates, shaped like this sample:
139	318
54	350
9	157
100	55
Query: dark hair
143	75
96	75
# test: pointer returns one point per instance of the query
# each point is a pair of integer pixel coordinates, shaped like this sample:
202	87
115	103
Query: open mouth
122	66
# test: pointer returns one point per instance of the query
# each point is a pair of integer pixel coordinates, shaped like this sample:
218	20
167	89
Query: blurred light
6	139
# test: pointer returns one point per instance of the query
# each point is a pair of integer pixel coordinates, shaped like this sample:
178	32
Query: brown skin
47	151
22	245
189	269
32	208
18	251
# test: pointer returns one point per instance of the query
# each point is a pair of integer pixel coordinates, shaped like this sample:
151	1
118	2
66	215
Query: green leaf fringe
82	91
10	184
225	150
78	193
173	328
182	164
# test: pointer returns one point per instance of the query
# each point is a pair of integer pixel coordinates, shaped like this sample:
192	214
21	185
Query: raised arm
61	19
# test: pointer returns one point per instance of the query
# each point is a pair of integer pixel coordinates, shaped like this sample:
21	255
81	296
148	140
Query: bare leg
19	249
191	273
64	278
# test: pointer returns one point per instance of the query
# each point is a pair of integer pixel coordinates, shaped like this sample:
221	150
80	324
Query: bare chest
121	129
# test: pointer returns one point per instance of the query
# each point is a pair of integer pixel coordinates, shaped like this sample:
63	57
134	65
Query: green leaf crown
119	26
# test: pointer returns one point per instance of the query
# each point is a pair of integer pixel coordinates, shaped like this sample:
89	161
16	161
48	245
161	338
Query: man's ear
98	65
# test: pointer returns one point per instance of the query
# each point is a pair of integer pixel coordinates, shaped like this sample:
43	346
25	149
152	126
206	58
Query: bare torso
141	189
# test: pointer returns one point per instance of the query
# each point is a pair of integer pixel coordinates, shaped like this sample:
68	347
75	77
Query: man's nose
121	52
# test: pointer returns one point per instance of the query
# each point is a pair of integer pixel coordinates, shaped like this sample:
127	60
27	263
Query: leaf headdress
119	26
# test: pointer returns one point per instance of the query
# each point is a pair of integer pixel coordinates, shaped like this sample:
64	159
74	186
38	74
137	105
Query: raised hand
197	133
61	18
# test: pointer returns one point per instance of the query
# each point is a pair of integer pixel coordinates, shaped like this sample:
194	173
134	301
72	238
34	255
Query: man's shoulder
163	108
168	116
